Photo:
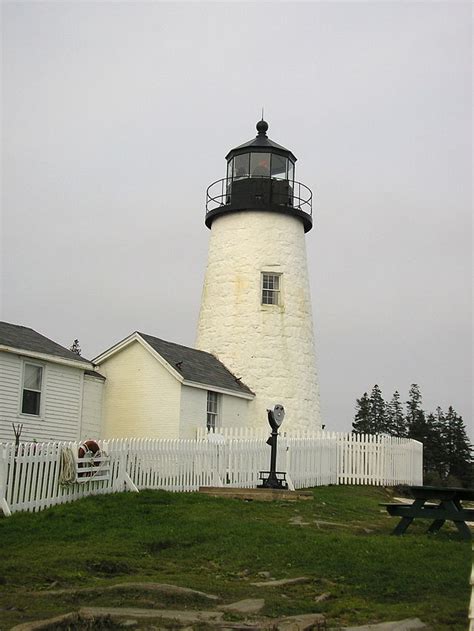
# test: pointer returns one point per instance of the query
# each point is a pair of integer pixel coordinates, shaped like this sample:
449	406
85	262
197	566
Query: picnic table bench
440	504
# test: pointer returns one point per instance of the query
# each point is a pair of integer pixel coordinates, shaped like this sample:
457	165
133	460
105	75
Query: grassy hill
340	540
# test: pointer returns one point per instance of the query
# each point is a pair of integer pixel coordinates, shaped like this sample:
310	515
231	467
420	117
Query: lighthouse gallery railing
286	193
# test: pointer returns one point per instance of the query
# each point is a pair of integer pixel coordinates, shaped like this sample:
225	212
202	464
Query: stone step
181	616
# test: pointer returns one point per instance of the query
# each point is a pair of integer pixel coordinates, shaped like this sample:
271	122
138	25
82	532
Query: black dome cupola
260	176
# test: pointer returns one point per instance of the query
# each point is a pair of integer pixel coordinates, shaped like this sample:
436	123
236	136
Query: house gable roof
190	366
196	366
22	338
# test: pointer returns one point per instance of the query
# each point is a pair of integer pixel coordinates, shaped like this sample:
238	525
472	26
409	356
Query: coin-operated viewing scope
276	417
274	479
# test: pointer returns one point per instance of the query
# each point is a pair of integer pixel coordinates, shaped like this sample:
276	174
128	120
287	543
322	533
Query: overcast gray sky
117	116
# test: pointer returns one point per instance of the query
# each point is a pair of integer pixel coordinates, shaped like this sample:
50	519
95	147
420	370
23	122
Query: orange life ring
88	448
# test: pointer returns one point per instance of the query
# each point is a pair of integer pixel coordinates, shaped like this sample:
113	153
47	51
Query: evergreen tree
415	417
75	348
459	462
433	449
378	419
438	446
395	418
447	451
361	423
370	417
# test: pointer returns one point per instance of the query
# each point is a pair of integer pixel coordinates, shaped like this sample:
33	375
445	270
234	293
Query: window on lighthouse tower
271	289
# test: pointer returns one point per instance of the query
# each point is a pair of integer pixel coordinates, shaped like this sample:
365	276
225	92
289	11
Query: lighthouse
256	314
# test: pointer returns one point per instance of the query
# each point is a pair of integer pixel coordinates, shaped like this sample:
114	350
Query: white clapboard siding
61	401
29	480
92	398
10	388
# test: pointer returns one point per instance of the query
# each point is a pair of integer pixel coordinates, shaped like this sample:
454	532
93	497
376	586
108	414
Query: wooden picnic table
440	504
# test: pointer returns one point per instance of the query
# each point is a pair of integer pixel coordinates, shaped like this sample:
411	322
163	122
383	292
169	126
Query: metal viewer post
270	479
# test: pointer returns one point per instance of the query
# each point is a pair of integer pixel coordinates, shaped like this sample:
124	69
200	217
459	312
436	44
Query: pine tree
415	417
433	449
395	419
438	445
447	451
75	348
378	419
459	462
361	424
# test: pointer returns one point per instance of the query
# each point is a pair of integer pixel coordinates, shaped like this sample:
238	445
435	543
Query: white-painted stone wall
141	398
270	347
91	426
61	401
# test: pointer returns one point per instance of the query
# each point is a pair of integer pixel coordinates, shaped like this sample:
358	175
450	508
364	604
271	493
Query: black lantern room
260	176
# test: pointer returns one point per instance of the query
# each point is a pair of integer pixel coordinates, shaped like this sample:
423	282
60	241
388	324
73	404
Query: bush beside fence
30	473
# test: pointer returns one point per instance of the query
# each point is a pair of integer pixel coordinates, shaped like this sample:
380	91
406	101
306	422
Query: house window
271	289
32	384
212	411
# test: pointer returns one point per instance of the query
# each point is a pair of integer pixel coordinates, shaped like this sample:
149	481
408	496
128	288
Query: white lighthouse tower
256	312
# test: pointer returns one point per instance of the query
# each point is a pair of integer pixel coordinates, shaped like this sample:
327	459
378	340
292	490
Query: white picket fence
29	480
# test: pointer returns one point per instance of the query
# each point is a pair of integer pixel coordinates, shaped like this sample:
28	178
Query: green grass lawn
221	545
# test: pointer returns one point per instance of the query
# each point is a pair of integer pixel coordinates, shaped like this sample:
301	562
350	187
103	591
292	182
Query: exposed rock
301	623
184	617
244	626
247	606
322	597
283	581
399	625
162	588
319	523
298	521
37	625
264	574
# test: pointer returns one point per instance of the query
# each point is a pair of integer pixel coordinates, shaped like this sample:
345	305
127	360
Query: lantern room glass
260	164
279	164
241	166
291	171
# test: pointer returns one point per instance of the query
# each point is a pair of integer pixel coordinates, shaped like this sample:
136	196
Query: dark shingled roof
261	143
195	365
27	339
94	373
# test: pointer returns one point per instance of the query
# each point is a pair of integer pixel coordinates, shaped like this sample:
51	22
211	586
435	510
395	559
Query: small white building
158	389
52	392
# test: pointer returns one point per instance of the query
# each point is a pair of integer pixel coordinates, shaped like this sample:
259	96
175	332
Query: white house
158	389
53	393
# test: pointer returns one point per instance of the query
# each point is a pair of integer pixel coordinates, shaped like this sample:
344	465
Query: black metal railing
258	191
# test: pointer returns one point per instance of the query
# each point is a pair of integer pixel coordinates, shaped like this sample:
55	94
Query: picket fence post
3	480
123	481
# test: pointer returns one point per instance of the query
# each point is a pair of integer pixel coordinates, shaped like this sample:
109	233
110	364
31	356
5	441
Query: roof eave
83	364
218	389
269	145
136	337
